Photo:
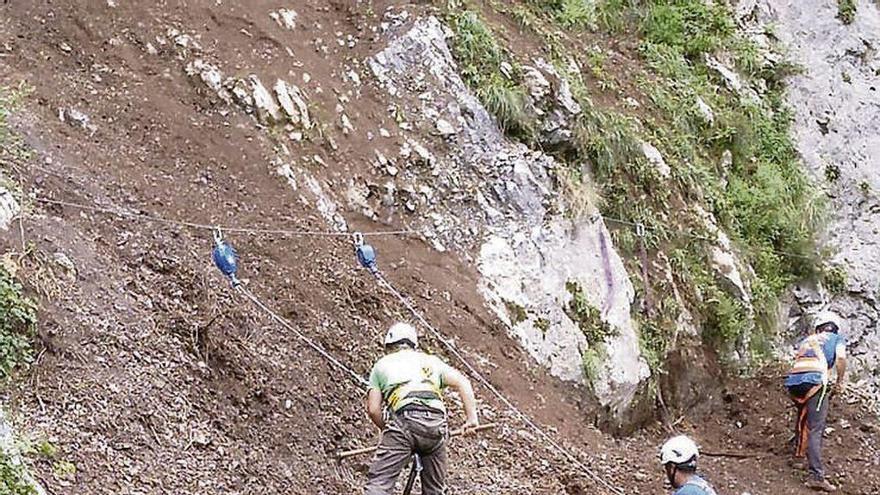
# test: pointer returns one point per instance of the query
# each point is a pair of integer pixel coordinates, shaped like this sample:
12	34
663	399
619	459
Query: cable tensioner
225	257
366	255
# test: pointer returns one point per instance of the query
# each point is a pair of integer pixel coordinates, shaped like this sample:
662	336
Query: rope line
314	345
476	374
360	380
683	233
202	226
317	233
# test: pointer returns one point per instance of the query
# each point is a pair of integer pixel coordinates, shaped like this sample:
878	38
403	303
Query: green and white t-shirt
410	377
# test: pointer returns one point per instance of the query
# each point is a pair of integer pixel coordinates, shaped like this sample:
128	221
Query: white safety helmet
681	451
825	317
401	331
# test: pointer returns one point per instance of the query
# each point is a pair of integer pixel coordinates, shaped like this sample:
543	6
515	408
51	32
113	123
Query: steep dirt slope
154	378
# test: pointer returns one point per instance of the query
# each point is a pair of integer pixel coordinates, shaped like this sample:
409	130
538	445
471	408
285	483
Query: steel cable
476	374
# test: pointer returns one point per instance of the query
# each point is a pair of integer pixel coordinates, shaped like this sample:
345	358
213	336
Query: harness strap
423	394
413	474
803	432
809	395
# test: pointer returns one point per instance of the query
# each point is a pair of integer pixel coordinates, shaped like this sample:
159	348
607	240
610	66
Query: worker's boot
821	485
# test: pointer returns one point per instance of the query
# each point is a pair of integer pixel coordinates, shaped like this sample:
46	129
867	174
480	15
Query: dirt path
155	379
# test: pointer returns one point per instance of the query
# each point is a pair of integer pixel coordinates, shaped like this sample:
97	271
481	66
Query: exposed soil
153	377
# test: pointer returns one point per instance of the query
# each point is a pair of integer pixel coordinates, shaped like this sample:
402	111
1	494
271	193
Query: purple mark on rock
609	276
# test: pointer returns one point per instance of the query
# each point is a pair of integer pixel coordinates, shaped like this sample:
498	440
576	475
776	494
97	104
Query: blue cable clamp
366	255
226	259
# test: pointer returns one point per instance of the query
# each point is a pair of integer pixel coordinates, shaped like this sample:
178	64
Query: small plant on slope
596	331
18	318
485	67
694	27
13	477
576	14
846	11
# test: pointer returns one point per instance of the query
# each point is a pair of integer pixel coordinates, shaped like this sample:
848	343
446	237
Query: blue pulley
366	255
225	258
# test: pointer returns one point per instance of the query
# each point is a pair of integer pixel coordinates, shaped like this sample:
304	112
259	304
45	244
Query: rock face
836	104
9	208
556	108
526	278
10	450
285	104
531	253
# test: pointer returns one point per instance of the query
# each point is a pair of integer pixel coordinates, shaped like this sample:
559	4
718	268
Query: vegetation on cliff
688	82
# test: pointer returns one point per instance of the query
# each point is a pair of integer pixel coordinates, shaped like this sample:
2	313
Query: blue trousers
812	415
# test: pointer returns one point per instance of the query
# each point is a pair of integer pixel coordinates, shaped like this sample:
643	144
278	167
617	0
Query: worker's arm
374	408
841	372
458	382
840	365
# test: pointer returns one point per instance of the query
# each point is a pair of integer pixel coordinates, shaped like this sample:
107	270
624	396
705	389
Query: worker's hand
840	387
470	425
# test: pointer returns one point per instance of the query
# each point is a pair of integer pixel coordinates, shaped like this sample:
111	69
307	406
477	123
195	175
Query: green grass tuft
516	312
18	319
846	11
13	478
692	26
591	360
587	317
542	324
576	14
835	279
488	70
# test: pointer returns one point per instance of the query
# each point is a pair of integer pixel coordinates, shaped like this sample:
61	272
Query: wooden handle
734	455
478	429
356	452
369	450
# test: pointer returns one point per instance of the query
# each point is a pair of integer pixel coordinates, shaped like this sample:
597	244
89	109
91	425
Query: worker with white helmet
679	458
410	384
807	383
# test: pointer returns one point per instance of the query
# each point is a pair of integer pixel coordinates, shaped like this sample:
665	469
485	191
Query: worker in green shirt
410	384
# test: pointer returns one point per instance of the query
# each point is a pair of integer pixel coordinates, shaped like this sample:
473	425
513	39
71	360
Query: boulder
267	108
655	158
530	249
538	86
705	111
285	18
293	102
553	102
9	208
211	76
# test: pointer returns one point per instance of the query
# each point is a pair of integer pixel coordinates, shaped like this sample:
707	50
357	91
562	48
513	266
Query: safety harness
810	358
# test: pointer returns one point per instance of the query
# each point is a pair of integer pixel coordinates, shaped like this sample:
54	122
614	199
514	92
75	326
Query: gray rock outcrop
10	449
529	250
9	208
836	105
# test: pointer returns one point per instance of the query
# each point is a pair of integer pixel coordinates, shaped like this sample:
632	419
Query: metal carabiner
641	231
358	239
218	236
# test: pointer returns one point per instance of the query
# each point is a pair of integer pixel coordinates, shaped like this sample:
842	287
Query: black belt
416	406
424	394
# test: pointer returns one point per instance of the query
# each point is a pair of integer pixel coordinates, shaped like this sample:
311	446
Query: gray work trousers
409	432
810	426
